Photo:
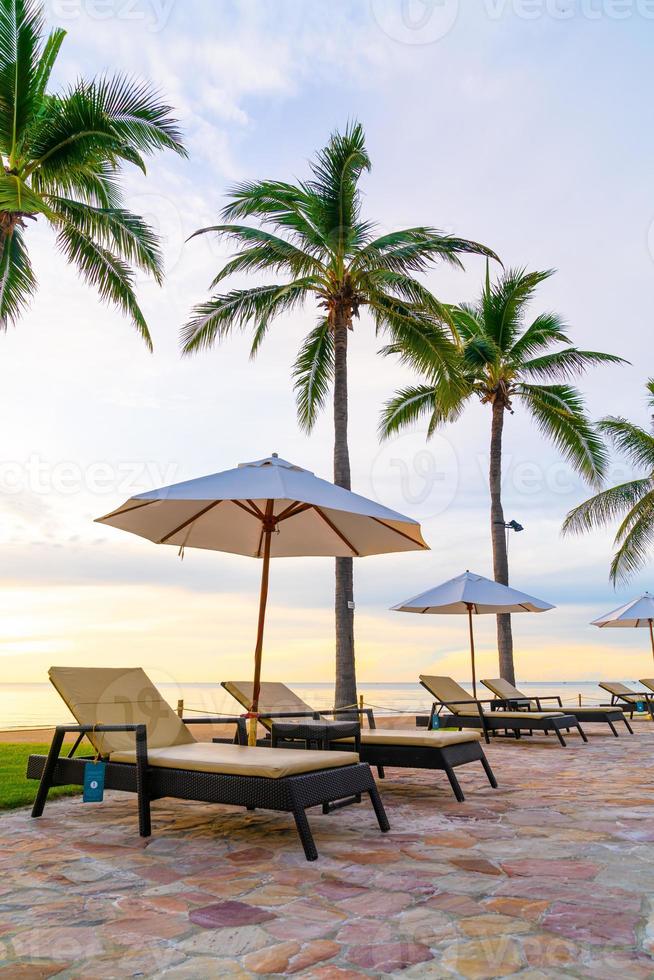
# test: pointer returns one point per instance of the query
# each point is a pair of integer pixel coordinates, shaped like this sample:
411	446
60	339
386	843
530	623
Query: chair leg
489	772
378	807
380	772
582	732
560	737
305	835
612	727
629	728
454	782
48	773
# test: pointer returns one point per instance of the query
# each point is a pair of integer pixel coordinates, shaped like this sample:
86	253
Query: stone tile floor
551	875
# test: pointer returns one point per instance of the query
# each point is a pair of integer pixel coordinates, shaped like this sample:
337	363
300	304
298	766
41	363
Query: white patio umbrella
637	614
472	595
267	509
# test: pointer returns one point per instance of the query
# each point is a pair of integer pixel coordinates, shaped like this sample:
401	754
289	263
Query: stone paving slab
551	875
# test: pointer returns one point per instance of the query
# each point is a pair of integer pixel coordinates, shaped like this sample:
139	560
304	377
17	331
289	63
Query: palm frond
634	538
545	330
122	232
284	206
137	114
313	374
504	302
46	63
558	411
413	403
407	289
567	363
17	282
111	276
217	317
265	252
606	506
631	440
335	194
21	28
419	339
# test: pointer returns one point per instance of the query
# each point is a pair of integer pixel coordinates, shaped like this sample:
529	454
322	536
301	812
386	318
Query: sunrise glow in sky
532	134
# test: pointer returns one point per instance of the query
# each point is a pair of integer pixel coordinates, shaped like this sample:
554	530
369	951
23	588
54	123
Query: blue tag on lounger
435	722
640	706
94	782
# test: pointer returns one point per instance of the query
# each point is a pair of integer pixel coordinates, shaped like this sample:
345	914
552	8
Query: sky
524	124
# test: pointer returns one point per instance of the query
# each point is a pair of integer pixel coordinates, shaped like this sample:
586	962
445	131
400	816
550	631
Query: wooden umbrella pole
651	635
268	528
472	650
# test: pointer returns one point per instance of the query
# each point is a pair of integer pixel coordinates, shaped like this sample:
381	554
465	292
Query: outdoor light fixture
511	526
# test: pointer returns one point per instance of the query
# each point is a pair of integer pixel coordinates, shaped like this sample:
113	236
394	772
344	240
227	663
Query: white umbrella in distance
472	595
266	509
637	614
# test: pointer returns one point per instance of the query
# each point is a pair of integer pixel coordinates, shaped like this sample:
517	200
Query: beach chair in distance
518	701
468	712
150	751
628	699
380	747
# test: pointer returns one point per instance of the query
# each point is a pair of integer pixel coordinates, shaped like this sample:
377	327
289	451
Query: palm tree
632	501
502	361
313	234
62	154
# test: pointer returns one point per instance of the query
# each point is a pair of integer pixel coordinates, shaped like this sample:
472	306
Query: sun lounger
151	752
517	701
648	682
626	698
378	746
469	712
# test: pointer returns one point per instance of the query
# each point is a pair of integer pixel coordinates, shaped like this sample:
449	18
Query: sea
39	705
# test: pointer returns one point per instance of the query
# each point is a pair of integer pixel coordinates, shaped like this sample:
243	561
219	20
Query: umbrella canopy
472	595
637	614
266	509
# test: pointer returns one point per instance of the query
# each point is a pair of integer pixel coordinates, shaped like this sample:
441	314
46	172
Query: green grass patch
15	789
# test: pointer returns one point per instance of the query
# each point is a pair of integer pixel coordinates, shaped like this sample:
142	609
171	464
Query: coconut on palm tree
503	361
632	502
314	236
62	155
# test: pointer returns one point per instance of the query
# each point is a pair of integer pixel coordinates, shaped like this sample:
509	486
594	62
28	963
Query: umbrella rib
125	510
335	530
200	513
285	514
260	514
401	533
247	510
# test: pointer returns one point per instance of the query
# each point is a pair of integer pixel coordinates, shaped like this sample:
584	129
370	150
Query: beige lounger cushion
118	696
241	760
394	736
620	689
273	696
507	691
526	715
447	690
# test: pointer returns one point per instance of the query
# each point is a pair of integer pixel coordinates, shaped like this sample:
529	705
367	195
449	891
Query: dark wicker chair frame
329	788
627	702
496	720
602	713
446	758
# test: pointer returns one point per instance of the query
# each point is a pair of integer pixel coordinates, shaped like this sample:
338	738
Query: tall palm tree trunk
498	537
346	684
